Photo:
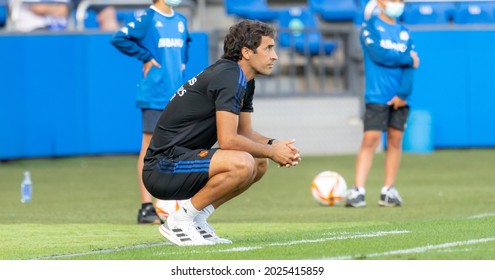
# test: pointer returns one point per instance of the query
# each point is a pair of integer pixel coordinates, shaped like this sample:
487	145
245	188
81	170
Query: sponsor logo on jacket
170	43
388	44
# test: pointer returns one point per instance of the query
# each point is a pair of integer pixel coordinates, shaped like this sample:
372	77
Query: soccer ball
166	207
329	188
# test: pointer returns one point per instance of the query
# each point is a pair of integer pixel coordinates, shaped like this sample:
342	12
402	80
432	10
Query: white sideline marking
294	242
483	215
235	249
139	246
342	237
455	250
420	249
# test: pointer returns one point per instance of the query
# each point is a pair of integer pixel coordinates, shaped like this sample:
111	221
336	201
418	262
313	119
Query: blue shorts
150	119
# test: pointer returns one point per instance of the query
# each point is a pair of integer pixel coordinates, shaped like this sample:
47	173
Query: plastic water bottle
26	188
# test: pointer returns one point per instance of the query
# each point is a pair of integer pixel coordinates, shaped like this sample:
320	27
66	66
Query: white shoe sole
386	204
165	232
357	205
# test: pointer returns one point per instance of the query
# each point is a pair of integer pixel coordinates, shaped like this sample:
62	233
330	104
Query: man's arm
245	128
126	39
406	83
389	57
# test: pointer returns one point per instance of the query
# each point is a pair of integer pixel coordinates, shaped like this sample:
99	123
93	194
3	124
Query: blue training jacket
164	38
387	61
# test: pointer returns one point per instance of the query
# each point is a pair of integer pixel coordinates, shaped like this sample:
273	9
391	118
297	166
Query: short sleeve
248	97
229	89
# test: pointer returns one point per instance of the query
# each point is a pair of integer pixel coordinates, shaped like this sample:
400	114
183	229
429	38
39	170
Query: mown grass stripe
420	249
113	250
235	249
296	242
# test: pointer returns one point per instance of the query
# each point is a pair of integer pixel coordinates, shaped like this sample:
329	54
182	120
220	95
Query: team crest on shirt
403	35
203	153
180	27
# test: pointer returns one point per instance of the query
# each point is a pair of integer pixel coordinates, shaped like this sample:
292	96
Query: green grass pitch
84	208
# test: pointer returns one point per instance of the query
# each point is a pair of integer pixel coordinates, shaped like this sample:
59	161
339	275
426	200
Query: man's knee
245	165
261	168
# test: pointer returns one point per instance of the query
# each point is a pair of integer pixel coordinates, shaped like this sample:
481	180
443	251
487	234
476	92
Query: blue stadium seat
334	10
298	30
4	5
428	12
474	13
366	9
90	21
252	9
124	16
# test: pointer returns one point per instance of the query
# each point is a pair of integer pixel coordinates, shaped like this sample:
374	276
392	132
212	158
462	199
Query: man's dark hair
246	33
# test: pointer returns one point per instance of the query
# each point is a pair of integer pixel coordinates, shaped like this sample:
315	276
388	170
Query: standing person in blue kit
389	61
160	39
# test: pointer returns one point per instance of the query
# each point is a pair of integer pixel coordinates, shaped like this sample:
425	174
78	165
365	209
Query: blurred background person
106	16
48	15
389	63
37	15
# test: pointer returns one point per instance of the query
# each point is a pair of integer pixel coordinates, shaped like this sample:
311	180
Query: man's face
263	59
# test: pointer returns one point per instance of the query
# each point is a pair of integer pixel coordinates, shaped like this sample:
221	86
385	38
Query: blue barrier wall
72	94
456	84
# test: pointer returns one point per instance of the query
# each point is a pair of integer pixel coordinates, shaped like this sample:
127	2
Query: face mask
394	9
173	3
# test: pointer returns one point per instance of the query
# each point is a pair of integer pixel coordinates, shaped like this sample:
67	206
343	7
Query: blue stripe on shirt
239	92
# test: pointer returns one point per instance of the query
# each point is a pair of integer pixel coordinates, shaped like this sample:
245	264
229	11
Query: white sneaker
391	198
208	233
182	234
355	199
